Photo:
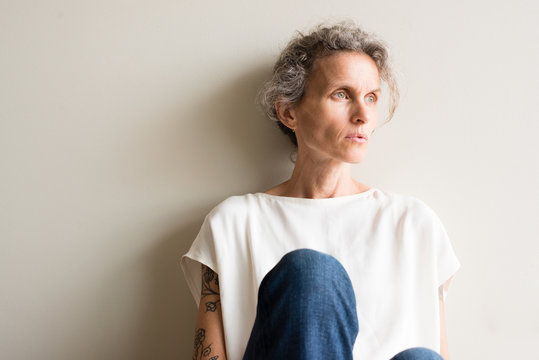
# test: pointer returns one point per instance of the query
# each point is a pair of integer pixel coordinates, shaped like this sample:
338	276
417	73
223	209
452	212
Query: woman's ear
286	114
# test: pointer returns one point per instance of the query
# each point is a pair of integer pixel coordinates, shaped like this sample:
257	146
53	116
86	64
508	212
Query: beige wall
122	123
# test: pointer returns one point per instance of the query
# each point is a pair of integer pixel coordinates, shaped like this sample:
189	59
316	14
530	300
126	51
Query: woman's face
339	103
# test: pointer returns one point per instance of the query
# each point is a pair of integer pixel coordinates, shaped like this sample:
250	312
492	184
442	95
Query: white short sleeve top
393	246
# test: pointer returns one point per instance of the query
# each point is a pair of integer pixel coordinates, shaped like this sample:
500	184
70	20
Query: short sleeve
446	259
202	251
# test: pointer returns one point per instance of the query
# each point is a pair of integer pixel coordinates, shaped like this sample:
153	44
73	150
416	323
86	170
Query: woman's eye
371	99
340	95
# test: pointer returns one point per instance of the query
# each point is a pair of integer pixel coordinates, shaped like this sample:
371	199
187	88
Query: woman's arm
444	351
209	334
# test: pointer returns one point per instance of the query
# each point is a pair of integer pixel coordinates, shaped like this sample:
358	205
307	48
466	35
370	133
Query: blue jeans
307	310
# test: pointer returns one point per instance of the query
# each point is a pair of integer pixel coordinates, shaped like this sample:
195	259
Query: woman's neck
319	179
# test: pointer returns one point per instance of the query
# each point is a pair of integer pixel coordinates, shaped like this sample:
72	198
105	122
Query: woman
323	266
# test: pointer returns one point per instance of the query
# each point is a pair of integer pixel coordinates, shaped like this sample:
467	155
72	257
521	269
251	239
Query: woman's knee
417	353
308	259
307	273
310	292
314	267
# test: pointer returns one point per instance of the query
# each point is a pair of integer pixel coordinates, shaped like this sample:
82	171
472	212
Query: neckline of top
319	200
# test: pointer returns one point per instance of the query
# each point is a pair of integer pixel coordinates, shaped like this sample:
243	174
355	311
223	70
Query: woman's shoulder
417	218
408	204
233	206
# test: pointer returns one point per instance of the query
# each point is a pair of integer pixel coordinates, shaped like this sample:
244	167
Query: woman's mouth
357	137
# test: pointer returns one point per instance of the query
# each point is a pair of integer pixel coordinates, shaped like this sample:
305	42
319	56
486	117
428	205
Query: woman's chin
358	161
355	158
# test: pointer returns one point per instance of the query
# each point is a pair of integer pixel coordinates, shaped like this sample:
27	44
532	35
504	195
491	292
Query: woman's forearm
209	335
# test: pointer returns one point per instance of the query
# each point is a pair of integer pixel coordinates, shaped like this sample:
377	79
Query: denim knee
312	271
417	353
306	310
309	260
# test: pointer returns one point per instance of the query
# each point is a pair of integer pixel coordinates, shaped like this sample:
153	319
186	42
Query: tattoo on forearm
210	286
212	306
201	351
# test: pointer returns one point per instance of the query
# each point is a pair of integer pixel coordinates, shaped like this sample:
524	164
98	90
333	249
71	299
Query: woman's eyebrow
339	85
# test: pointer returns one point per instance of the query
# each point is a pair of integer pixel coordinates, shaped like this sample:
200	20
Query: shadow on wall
234	145
165	327
232	148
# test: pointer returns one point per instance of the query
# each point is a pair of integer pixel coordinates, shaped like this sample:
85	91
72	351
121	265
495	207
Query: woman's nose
362	112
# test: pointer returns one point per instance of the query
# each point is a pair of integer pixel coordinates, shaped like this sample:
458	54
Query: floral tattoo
210	286
201	351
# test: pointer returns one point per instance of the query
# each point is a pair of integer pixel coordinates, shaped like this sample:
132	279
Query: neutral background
122	123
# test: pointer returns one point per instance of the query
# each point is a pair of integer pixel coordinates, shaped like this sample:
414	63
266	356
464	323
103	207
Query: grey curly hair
293	67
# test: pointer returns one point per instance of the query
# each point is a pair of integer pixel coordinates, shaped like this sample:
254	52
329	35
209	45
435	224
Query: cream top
394	248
